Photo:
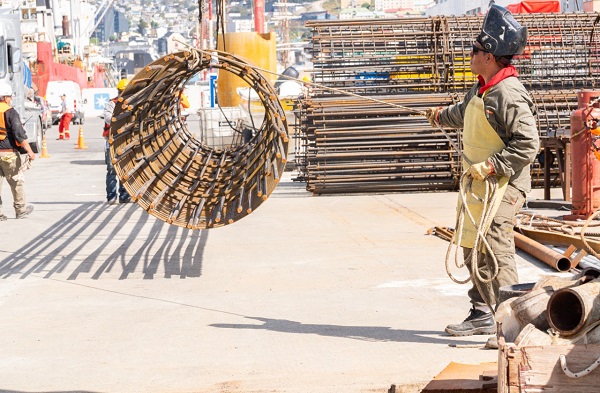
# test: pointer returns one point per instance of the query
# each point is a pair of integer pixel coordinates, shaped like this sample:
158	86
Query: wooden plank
540	367
502	364
535	369
465	378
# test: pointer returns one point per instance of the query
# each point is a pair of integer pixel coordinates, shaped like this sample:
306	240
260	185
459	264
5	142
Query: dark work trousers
112	181
500	237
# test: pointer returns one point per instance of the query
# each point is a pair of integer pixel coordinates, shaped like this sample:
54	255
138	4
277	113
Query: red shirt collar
504	73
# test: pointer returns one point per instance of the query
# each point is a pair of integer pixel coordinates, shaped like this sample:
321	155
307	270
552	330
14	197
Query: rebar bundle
354	145
349	145
177	177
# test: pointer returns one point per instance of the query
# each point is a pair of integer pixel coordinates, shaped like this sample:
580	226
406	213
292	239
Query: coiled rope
481	243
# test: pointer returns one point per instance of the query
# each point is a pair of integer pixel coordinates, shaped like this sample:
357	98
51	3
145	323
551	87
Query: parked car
46	112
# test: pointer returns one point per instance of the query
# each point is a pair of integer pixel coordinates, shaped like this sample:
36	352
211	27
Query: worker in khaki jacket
500	139
12	138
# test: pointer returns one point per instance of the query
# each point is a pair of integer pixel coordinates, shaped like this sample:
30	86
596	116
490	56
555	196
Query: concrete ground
306	294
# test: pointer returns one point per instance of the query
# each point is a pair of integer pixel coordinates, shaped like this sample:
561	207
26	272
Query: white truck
12	71
56	89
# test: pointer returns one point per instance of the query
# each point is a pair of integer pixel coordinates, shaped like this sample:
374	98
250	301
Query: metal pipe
571	310
543	253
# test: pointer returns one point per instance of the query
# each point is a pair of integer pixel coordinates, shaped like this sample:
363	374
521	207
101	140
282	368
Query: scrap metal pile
173	175
353	144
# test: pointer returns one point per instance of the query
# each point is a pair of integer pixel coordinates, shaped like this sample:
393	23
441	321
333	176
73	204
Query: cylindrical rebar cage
175	176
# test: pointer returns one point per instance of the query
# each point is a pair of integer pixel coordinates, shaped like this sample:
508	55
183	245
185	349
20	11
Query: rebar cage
177	177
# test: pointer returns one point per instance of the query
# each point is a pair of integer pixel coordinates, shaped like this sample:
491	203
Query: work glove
481	170
433	116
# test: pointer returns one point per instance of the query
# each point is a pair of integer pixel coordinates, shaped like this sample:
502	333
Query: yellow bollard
80	142
44	147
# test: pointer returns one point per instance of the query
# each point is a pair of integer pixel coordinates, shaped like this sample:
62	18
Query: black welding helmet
501	34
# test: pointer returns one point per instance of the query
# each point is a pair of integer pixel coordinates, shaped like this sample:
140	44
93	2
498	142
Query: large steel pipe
571	310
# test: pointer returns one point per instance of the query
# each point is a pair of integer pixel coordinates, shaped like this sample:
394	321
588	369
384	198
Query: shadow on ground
94	239
365	333
88	162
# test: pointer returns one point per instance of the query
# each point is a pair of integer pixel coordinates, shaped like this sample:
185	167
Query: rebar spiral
175	176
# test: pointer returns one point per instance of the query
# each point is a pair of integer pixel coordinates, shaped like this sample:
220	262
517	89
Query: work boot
26	213
478	322
3	217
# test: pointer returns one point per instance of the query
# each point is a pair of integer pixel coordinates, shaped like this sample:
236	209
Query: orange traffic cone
80	142
44	147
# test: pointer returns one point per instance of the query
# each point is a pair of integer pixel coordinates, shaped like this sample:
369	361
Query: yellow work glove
433	116
481	170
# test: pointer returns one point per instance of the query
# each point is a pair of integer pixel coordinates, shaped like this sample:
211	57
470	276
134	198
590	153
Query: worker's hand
433	116
481	170
31	155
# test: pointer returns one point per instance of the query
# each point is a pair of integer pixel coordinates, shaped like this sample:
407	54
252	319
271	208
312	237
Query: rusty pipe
548	256
571	310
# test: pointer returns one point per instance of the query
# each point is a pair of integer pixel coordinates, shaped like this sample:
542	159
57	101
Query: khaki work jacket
511	113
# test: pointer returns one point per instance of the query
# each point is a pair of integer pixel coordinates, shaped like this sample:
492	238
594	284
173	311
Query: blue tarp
27	75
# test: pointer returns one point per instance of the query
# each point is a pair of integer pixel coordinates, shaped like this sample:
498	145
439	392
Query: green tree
142	27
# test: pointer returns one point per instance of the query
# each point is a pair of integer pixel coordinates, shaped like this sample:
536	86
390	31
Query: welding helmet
5	89
501	34
122	84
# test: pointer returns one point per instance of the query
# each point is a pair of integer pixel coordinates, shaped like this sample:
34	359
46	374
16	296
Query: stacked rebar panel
351	147
356	144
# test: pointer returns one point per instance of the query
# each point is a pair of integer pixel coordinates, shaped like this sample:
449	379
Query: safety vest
3	132
185	103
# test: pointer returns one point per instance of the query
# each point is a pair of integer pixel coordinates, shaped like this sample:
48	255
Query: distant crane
103	8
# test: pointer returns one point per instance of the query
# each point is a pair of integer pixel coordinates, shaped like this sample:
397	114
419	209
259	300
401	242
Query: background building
113	23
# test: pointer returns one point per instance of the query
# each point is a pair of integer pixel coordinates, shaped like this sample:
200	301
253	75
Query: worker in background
184	104
12	139
115	191
66	114
500	138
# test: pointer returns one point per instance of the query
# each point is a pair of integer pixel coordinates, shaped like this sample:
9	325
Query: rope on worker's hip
481	243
